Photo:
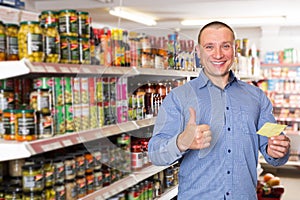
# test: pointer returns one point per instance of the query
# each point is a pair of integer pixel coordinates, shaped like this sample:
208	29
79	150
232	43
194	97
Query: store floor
290	179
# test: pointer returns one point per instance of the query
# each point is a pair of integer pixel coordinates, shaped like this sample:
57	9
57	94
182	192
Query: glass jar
6	102
81	186
49	172
80	163
83	24
15	167
49	17
59	170
25	122
69	50
68	23
12	51
33	178
98	179
9	124
41	102
137	160
90	182
97	159
59	189
51	43
38	195
71	189
49	193
70	168
13	193
30	41
84	51
89	162
2	42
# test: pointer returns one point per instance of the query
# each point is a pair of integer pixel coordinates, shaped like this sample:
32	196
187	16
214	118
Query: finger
192	119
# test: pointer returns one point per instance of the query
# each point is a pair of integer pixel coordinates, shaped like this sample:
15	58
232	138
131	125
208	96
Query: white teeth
217	63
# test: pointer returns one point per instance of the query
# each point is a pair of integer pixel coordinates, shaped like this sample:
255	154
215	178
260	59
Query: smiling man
209	125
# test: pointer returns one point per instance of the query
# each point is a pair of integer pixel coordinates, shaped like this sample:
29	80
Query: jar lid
69	157
25	111
12	25
13	190
67	11
9	110
29	22
82	13
32	167
49	12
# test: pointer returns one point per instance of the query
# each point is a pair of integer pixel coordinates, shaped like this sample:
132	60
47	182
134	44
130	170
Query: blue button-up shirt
228	168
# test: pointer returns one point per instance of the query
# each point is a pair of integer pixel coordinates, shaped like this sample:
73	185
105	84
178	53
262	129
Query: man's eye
226	46
209	47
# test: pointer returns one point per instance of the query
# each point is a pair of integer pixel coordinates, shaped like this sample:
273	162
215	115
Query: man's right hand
194	136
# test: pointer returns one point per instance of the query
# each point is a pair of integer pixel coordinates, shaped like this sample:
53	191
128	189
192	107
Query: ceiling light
133	16
253	21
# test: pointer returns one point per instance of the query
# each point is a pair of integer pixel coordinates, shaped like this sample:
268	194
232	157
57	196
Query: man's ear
197	47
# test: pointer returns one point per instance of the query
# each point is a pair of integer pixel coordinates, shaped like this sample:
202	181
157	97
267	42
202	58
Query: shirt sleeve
162	147
267	116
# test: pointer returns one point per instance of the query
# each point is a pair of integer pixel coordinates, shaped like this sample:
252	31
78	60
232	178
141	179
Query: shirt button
228	129
228	172
227	108
229	151
227	193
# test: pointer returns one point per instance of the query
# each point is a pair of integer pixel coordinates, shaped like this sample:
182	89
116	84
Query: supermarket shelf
294	119
289	163
280	64
169	193
138	76
125	183
14	150
24	67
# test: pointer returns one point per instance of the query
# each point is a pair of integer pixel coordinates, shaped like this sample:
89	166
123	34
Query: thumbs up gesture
194	136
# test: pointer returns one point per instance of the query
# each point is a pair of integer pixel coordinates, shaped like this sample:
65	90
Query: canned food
81	186
25	121
84	51
2	42
59	170
49	169
40	99
30	41
15	167
69	50
83	24
33	178
71	189
32	195
70	168
68	23
49	17
51	43
12	51
59	189
9	124
13	193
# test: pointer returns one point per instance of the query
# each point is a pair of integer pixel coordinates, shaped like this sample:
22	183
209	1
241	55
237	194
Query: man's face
217	51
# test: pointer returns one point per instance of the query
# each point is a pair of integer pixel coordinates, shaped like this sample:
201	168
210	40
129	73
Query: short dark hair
215	24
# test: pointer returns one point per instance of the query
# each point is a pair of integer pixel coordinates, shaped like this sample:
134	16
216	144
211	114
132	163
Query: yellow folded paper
271	129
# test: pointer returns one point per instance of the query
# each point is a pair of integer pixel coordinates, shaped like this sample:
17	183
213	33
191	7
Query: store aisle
290	179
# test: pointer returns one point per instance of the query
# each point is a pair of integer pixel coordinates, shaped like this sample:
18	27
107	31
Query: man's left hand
278	146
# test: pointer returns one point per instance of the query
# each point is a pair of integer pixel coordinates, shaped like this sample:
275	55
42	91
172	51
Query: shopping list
271	129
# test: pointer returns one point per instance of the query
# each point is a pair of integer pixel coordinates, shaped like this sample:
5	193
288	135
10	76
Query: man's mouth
218	63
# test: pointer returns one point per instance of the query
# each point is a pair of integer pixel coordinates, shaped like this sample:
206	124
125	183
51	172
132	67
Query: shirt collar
204	80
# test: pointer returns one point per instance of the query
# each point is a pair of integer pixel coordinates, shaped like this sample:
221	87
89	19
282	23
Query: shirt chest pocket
242	119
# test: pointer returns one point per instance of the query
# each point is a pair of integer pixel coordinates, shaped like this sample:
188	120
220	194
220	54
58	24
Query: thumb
192	119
